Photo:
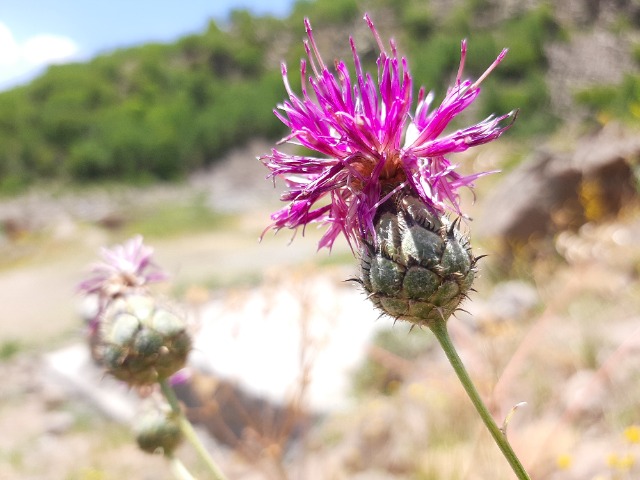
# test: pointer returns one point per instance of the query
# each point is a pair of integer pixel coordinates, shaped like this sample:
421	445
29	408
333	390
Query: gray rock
551	191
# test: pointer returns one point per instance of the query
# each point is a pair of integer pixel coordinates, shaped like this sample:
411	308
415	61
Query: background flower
125	268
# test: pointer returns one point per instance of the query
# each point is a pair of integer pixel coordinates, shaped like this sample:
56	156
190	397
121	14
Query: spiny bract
419	265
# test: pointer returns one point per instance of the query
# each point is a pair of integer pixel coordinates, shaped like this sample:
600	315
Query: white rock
73	369
264	340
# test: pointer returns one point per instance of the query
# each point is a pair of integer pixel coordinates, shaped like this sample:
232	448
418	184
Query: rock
53	395
384	434
550	191
237	182
237	418
293	331
521	206
71	368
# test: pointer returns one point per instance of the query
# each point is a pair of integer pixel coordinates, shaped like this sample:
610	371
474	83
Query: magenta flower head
372	145
124	267
383	177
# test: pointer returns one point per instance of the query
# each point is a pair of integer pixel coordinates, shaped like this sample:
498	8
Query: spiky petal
126	266
372	145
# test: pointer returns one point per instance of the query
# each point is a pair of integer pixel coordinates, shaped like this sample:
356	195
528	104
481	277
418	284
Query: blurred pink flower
373	145
125	268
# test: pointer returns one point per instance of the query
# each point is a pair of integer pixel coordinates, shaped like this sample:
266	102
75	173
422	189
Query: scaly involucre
373	145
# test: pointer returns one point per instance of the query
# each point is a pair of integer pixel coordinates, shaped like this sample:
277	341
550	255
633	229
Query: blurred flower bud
142	342
157	432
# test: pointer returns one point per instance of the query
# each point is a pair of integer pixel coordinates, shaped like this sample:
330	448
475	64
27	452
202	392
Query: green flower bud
158	432
142	342
420	266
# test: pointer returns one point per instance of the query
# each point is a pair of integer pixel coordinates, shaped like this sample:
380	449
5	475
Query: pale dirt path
39	302
38	296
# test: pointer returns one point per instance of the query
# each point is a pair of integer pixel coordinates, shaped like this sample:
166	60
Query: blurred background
118	118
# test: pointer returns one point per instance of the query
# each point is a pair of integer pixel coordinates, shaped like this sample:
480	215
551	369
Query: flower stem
179	470
189	432
439	329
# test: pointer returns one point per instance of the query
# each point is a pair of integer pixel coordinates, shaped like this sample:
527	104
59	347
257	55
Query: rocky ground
555	325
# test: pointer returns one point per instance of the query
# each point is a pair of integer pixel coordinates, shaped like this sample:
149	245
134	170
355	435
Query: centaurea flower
143	341
125	268
386	184
373	146
136	338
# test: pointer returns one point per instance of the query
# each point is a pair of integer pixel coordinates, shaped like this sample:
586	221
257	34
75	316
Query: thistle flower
386	184
385	181
373	146
125	271
125	268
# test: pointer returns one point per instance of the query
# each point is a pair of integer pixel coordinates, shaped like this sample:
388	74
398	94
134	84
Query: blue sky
36	33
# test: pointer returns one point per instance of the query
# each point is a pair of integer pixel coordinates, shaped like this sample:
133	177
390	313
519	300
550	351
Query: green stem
178	469
439	329
189	432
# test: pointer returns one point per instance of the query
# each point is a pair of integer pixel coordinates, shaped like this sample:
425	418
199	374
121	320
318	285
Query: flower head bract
371	144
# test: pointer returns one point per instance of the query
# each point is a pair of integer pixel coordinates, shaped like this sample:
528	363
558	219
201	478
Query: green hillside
160	111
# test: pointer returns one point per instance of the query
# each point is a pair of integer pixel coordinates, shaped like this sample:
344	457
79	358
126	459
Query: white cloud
20	61
9	50
46	49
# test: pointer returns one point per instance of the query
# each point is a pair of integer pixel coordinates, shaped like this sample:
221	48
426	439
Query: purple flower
125	268
373	146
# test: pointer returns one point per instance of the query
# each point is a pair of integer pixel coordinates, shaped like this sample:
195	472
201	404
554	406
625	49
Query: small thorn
440	311
476	259
454	225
